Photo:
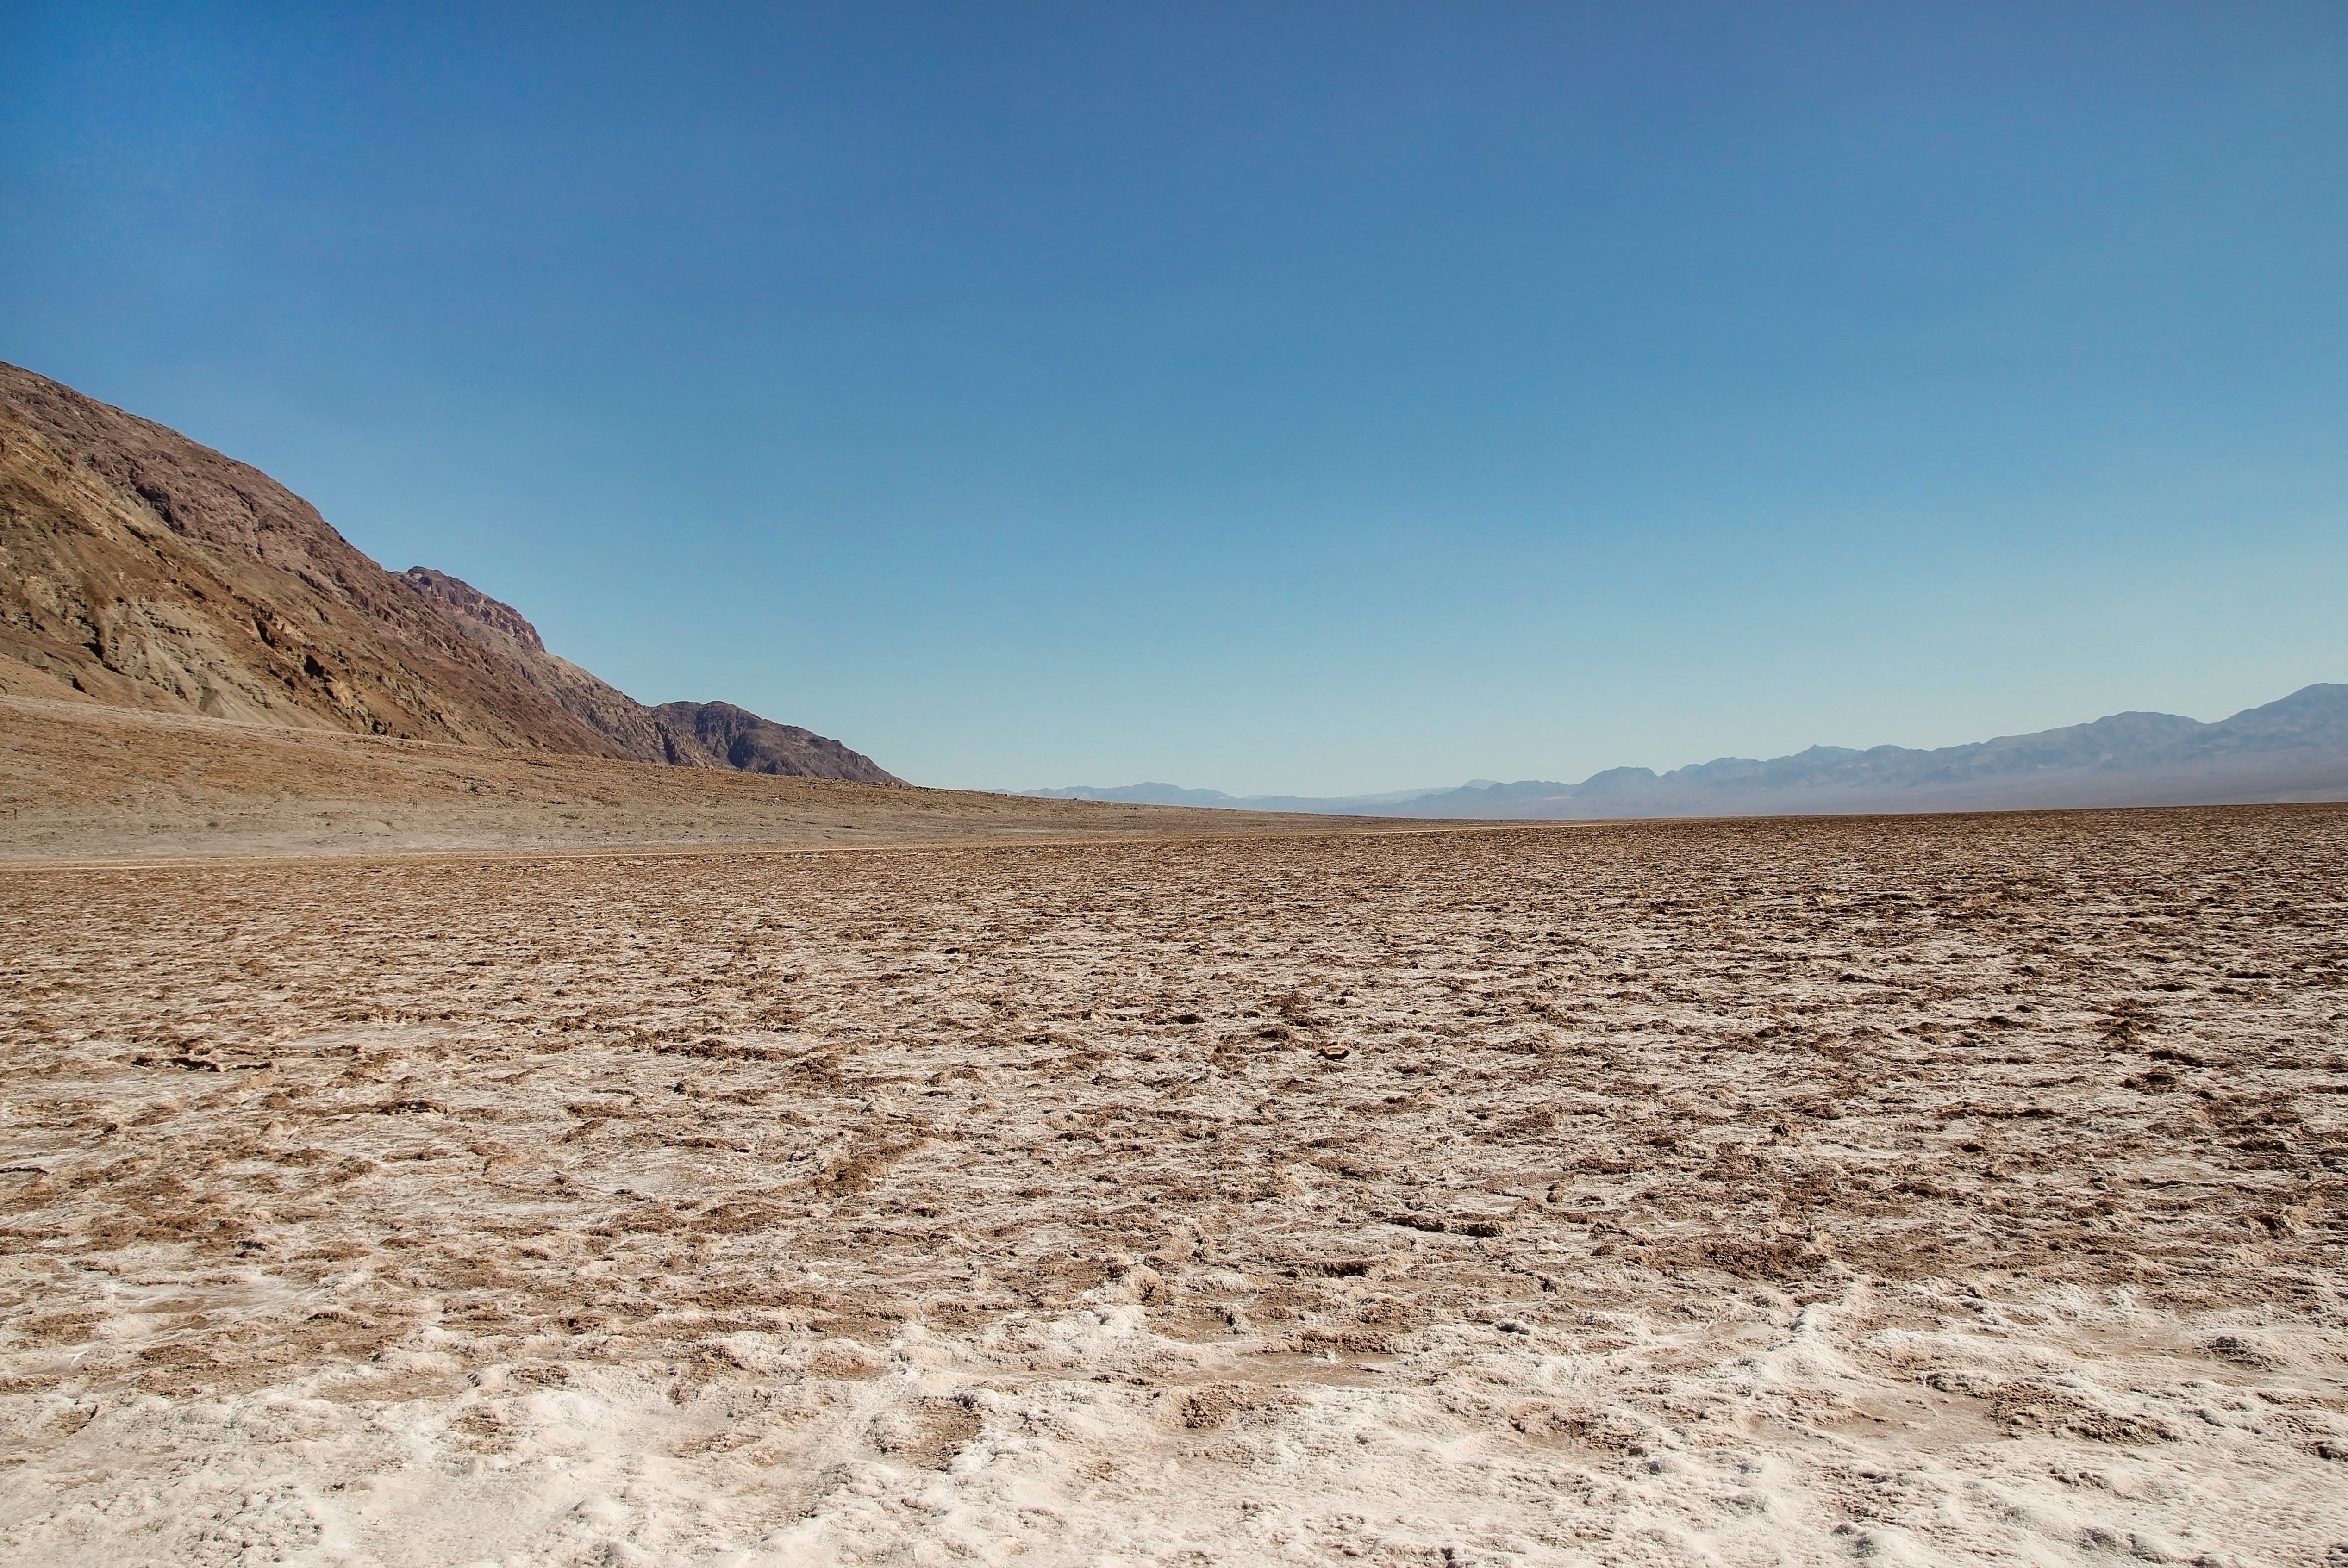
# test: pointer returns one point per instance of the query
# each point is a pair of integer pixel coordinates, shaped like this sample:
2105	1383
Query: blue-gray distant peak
2293	749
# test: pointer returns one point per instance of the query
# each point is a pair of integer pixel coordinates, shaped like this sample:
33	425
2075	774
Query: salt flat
1926	1190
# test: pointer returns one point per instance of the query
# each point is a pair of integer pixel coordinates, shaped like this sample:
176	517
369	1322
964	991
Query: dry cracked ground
1948	1191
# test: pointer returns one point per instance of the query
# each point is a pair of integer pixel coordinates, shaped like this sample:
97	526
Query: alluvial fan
1939	1190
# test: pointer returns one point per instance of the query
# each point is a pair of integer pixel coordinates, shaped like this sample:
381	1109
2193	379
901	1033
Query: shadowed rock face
141	570
719	735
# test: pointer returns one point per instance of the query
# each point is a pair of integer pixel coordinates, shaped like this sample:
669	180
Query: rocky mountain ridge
139	568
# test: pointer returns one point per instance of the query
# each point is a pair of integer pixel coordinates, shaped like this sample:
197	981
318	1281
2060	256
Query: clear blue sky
1317	398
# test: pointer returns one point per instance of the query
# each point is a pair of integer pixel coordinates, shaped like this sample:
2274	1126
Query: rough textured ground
1922	1190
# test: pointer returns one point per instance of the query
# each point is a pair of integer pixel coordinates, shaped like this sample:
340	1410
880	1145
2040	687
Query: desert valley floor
1926	1190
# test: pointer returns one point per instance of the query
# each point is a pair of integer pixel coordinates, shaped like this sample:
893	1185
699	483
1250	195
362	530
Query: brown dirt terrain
78	780
1914	1190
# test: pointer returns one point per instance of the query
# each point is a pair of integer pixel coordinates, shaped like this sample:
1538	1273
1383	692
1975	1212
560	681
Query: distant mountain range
141	570
2295	749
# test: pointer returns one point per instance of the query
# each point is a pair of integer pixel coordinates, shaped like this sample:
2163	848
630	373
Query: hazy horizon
1318	402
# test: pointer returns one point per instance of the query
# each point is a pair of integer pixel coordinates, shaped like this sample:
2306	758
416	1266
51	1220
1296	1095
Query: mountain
2294	749
141	570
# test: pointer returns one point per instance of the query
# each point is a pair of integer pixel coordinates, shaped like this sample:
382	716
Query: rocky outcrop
141	570
721	735
468	606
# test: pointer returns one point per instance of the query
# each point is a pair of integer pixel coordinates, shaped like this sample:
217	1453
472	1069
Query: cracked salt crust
1922	1189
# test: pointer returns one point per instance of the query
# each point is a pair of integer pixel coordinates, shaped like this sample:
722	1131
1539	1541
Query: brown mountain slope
145	571
683	734
139	568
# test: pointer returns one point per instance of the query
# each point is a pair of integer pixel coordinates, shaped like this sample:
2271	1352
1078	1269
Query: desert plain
1922	1189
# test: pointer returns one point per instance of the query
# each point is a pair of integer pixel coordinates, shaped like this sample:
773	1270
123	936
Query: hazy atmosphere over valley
1709	926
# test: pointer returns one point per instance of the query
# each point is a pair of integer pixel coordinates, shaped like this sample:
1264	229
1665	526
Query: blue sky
1287	398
